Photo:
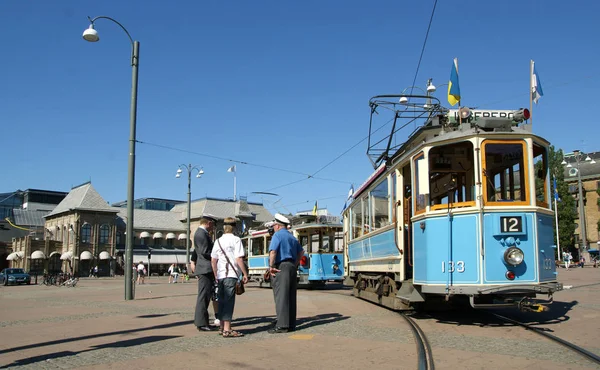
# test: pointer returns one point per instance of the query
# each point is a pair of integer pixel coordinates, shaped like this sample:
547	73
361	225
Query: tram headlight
514	256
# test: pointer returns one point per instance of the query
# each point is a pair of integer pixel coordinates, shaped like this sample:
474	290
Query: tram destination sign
476	114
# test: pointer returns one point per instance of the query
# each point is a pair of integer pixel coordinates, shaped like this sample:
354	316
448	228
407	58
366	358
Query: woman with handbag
228	264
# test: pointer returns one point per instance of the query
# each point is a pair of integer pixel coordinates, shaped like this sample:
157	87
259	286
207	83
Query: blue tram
459	211
321	238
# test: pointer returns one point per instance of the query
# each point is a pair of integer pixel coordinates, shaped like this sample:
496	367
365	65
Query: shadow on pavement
557	313
99	335
119	344
301	323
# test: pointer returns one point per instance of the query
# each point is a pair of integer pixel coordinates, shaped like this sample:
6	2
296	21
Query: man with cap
284	255
202	268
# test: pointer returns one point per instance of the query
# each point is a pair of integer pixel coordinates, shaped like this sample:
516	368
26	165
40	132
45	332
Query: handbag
239	286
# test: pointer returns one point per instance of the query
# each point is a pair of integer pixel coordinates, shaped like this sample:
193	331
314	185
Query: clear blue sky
280	85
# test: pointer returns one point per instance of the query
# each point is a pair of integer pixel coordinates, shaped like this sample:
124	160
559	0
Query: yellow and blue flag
453	87
314	211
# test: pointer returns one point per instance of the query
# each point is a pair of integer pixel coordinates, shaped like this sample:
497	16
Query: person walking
173	273
202	268
228	264
285	253
141	272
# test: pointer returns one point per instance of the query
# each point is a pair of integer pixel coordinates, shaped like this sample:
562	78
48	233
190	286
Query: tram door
406	217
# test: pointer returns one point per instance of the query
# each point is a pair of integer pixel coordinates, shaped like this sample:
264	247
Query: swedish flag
453	87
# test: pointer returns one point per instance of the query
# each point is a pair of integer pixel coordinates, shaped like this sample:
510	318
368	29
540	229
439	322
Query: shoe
217	322
278	330
204	328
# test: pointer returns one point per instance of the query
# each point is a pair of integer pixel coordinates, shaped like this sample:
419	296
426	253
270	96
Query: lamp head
431	88
201	172
403	100
178	175
199	175
179	171
90	34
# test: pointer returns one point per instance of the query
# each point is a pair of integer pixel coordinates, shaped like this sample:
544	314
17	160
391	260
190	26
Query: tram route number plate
511	224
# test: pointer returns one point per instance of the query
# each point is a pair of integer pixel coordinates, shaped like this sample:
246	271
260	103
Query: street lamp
189	169
578	155
91	35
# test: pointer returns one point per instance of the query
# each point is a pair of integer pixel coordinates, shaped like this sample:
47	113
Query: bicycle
70	283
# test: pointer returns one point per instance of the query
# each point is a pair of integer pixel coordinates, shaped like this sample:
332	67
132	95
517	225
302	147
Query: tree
567	212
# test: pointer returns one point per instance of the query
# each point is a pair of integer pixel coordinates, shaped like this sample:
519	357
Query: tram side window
339	242
314	243
540	164
419	199
327	244
505	172
380	205
258	246
357	220
452	175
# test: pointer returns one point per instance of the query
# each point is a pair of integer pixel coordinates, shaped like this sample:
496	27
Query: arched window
104	234
86	233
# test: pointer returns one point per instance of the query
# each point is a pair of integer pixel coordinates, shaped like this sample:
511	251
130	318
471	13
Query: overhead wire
309	176
424	44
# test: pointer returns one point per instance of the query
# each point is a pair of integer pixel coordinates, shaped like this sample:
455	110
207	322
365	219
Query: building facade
83	231
589	170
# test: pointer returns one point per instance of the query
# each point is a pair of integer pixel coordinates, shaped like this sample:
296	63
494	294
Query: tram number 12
452	266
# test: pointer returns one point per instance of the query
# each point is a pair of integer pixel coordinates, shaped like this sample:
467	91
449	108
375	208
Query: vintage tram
459	211
321	238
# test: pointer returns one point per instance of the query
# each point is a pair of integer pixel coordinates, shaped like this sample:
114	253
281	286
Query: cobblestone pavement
92	326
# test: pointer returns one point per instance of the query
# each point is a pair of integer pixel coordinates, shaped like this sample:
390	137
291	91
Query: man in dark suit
202	268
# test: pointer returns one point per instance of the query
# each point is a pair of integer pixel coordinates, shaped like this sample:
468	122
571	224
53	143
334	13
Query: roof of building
148	219
588	169
82	197
222	208
24	217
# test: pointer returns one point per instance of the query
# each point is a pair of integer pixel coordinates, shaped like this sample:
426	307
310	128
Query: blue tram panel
439	259
508	230
379	246
546	247
323	267
257	262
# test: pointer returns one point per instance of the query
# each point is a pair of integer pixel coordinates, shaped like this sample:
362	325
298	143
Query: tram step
408	293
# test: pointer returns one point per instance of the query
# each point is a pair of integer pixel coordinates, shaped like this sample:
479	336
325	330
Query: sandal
232	334
220	331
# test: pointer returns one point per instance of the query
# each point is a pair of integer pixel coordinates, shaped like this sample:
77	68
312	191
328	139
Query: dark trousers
285	286
205	288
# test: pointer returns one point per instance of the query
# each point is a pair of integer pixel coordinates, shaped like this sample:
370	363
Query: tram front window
504	172
452	175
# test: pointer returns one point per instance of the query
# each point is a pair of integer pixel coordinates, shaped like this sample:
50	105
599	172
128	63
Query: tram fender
408	293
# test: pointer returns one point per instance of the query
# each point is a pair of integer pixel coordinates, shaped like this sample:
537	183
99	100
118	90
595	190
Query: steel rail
424	352
583	352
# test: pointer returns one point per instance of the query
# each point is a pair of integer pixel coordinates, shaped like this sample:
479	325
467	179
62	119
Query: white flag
231	169
536	86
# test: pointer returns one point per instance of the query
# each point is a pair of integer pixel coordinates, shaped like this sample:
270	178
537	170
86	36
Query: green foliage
567	213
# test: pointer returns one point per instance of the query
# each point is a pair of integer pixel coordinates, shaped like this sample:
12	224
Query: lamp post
91	35
189	169
577	154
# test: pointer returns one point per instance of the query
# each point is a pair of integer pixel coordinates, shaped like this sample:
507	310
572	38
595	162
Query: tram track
575	348
424	352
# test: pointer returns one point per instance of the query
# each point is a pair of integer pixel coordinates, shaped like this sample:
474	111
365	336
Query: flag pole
531	63
556	220
234	184
459	115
